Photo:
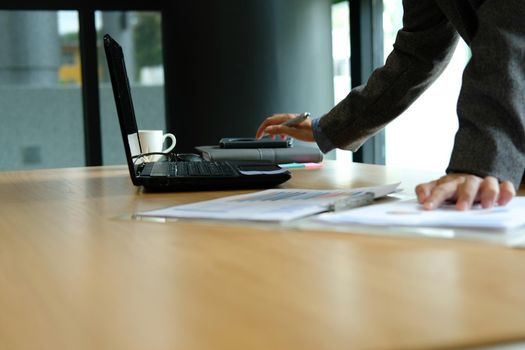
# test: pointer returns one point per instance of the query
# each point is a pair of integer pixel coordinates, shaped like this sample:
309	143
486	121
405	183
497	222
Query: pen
296	120
355	200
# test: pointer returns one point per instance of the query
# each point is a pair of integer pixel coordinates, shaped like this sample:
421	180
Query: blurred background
204	71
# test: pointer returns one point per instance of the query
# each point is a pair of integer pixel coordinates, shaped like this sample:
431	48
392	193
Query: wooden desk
75	276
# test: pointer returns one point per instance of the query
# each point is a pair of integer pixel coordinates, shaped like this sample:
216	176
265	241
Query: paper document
410	213
270	205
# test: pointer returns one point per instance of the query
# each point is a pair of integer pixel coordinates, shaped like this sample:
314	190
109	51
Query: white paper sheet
270	205
410	213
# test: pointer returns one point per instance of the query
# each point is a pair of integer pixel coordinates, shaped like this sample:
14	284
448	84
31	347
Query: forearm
421	52
491	108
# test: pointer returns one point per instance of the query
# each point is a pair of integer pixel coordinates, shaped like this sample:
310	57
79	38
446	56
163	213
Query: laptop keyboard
185	169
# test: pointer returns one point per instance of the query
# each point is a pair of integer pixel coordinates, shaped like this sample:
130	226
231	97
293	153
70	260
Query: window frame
366	47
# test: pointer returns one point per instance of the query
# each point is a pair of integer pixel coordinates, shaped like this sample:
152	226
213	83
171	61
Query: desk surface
74	275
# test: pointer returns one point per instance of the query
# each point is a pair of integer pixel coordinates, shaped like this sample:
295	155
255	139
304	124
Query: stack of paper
275	205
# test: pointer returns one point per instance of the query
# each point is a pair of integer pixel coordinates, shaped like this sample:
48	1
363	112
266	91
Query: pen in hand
292	122
296	120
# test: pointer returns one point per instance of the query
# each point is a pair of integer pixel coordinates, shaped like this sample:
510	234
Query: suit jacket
491	106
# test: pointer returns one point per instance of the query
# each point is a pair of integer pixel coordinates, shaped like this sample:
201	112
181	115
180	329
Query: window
341	60
139	34
51	86
40	90
422	137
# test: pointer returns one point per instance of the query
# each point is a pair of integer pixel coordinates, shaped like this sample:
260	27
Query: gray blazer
491	106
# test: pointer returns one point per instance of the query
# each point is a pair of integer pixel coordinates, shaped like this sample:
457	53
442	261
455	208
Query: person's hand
271	127
464	189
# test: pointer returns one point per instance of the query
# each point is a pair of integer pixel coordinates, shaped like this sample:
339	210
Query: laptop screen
123	102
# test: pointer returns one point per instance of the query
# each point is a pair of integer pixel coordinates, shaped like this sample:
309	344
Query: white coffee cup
151	141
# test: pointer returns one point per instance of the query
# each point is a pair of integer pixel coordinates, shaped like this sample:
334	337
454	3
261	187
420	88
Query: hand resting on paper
465	190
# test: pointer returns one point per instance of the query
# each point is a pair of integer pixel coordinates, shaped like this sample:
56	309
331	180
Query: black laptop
173	174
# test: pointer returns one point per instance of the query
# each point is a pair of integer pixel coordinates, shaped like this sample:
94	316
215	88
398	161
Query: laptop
174	174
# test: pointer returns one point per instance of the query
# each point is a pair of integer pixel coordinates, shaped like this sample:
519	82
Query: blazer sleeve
491	106
422	49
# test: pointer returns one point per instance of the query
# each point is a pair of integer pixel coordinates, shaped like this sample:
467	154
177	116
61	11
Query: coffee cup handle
173	142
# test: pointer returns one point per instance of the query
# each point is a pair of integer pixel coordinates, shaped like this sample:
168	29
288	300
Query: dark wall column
234	62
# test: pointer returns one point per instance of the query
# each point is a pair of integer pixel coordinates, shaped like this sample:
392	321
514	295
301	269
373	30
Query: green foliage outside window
148	40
